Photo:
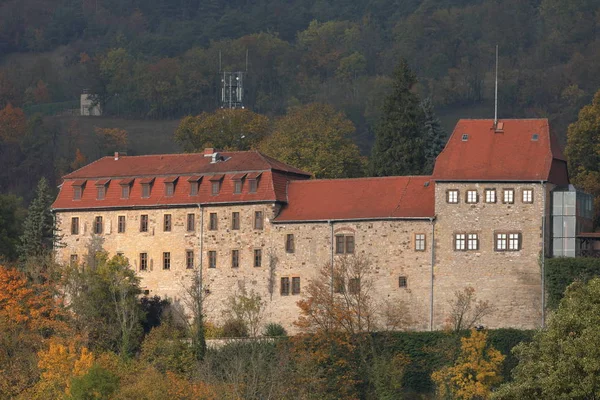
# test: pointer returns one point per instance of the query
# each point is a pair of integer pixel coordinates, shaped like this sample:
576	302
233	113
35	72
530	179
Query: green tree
11	220
583	150
435	136
228	129
562	361
399	147
315	138
39	236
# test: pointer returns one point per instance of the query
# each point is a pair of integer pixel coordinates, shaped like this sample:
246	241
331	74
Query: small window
121	224
501	241
98	225
212	259
194	188
535	137
235	220
237	187
289	243
73	260
144	223
258	220
167	223
472	241
452	196
344	244
354	286
339	284
77	192
257	257
189	259
100	192
296	285
166	260
514	241
472	196
125	189
253	185
169	189
146	190
213	222
490	195
215	187
465	137
143	261
191	222
527	195
402	282
420	242
235	258
285	286
460	240
75	226
508	196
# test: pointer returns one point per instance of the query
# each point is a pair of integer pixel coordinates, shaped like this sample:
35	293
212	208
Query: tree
583	151
11	219
228	129
315	138
193	313
246	308
13	124
466	311
399	147
111	139
562	361
474	373
435	136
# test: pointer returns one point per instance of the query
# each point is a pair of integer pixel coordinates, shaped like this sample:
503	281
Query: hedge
562	271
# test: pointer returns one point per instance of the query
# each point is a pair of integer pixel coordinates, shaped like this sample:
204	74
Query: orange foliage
13	124
112	138
60	363
79	161
182	389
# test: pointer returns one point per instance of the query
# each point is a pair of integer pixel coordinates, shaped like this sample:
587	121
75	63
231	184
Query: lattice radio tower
232	86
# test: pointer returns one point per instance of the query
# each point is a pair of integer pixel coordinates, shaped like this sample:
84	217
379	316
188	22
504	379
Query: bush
235	328
274	330
212	331
97	383
562	271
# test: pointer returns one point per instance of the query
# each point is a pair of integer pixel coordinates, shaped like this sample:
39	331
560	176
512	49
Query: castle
481	220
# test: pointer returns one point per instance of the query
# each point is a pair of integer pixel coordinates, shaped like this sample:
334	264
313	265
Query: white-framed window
490	195
452	196
472	241
460	240
508	196
472	196
419	242
527	195
514	241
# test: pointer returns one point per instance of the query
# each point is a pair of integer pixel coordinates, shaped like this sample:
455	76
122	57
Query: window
213	222
253	185
77	192
143	261
490	195
235	220
514	241
191	222
501	241
289	243
257	257
296	285
125	191
194	188
258	220
98	225
215	187
169	189
508	241
166	260
167	223
144	223
472	196
472	241
402	282
460	241
508	196
100	192
237	187
452	196
344	244
75	226
189	259
339	285
354	286
420	242
465	137
212	259
235	258
145	190
73	260
285	287
121	224
527	195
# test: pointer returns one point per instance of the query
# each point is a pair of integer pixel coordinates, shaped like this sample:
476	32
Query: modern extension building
483	219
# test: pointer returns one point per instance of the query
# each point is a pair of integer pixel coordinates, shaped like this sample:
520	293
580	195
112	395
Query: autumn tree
474	373
315	138
111	139
192	312
466	311
562	361
13	124
246	308
228	129
399	147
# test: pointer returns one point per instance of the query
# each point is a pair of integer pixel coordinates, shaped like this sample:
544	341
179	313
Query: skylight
535	137
465	137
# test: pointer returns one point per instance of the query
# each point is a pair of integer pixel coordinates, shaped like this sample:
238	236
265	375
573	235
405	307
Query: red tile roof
361	198
509	155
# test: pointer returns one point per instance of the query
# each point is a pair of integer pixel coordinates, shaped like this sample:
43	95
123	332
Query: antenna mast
496	93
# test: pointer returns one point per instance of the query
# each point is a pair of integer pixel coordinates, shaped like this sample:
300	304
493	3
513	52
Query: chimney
116	155
119	154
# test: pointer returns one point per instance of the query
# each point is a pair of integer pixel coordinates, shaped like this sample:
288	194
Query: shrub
212	331
235	328
274	330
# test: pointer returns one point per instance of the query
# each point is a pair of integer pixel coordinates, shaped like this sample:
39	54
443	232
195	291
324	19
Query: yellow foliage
474	373
60	363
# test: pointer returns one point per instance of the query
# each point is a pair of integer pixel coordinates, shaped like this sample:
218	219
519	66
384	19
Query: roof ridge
85	166
360	178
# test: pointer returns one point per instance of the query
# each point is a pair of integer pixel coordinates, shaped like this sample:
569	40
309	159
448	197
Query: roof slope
361	198
510	154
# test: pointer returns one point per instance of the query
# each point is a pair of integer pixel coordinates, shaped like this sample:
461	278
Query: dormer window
253	179
78	187
126	187
170	186
101	186
194	184
146	187
215	184
238	183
